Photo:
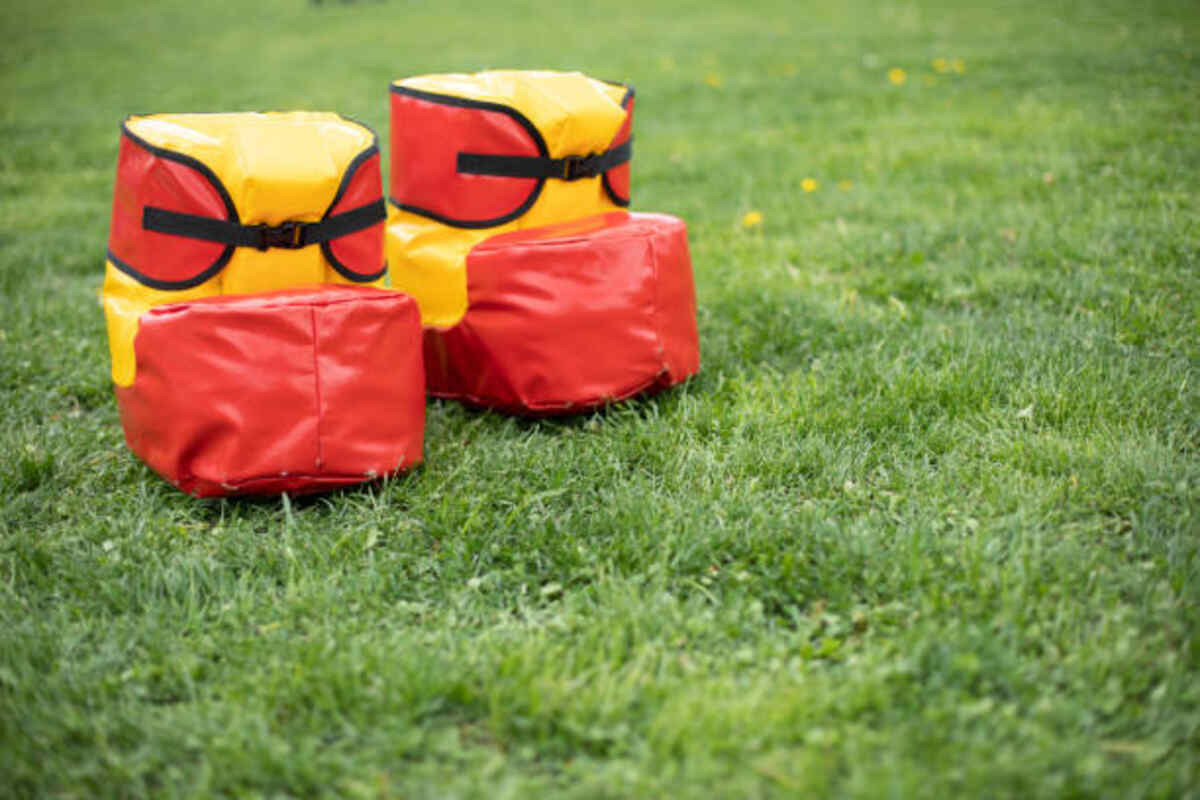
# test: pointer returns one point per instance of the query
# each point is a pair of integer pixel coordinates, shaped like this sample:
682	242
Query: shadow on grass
649	403
213	509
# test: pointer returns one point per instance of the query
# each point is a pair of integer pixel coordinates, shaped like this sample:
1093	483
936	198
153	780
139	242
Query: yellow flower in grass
897	76
809	185
714	80
752	219
958	65
940	65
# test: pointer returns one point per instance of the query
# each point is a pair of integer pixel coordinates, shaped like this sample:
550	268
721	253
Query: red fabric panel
372	376
426	138
143	179
568	317
618	179
676	302
296	391
362	251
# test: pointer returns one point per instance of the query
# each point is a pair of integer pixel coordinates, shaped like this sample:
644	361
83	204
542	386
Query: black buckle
289	236
576	167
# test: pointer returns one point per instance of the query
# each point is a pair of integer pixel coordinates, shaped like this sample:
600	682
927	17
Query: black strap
289	235
570	168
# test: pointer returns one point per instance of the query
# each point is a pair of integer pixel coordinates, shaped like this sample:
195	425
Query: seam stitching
312	316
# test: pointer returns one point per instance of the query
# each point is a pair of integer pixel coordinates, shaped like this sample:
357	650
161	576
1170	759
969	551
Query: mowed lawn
926	525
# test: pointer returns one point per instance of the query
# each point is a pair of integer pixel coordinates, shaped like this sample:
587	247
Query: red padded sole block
293	391
568	317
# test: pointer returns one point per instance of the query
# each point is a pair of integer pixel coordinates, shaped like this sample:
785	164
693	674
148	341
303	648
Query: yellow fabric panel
427	260
575	114
251	271
125	300
614	92
276	167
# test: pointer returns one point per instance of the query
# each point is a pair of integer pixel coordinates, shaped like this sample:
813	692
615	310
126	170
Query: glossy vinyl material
436	215
427	137
358	256
146	179
617	181
572	316
292	391
245	168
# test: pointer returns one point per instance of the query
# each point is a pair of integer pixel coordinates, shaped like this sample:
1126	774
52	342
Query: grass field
926	525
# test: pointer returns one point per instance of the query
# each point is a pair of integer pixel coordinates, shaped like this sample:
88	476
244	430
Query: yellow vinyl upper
276	167
575	114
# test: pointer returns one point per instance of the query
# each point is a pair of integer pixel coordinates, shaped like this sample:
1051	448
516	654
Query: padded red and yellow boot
539	294
254	348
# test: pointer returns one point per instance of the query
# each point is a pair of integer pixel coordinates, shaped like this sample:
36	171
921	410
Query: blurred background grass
925	525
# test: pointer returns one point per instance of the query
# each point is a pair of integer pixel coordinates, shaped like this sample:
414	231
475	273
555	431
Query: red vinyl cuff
429	133
155	179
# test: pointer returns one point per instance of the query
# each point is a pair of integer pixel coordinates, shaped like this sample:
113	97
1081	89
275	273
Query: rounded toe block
292	391
569	317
